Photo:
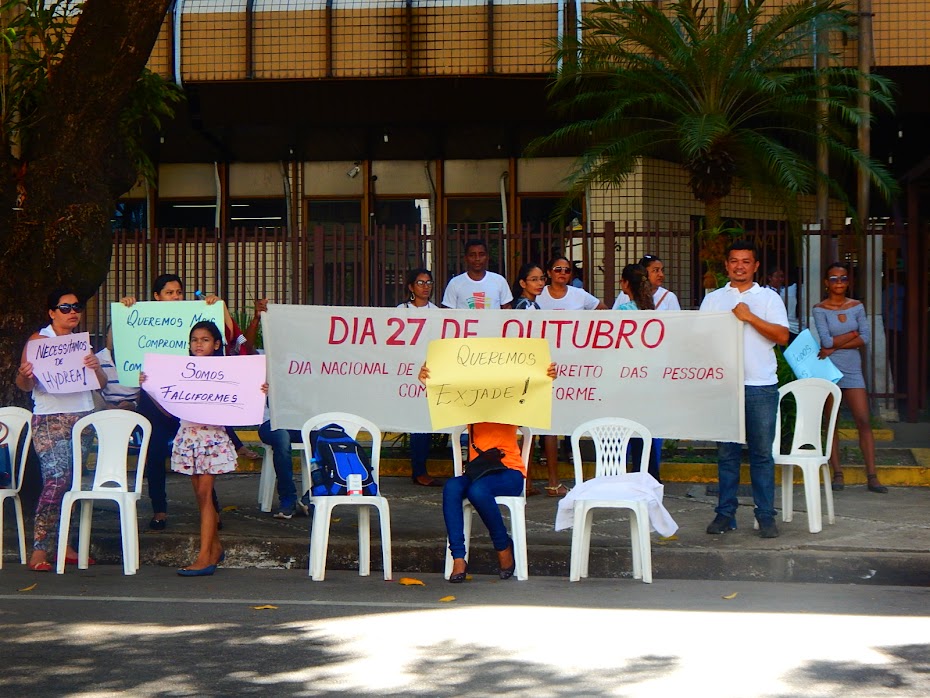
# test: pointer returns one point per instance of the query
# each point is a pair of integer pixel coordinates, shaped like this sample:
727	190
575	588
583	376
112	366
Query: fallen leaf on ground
730	596
30	587
266	607
410	581
447	598
231	507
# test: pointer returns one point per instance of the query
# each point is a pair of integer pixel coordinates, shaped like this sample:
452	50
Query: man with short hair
765	324
477	288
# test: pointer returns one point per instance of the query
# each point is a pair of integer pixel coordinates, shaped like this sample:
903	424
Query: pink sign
58	363
221	390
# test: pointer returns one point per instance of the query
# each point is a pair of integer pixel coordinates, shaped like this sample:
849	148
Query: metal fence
348	265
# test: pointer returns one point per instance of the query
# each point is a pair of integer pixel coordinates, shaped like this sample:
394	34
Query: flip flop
559	490
44	566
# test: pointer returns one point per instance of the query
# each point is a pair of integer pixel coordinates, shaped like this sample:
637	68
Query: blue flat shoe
203	572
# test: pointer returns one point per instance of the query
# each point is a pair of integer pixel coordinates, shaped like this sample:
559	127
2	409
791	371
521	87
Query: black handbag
6	463
489	461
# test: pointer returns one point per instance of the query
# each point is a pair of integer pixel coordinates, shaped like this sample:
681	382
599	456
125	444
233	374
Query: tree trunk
712	218
74	166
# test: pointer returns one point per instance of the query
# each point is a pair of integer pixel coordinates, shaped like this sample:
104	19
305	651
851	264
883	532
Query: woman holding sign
53	417
505	478
843	328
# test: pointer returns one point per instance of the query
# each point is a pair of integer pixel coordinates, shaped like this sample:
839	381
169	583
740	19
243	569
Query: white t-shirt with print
464	293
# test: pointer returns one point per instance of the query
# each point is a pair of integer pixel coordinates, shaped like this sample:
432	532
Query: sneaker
768	529
286	510
721	524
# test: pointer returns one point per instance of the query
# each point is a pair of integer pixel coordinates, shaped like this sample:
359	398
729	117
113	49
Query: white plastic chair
516	505
19	423
809	451
323	505
111	481
611	437
268	479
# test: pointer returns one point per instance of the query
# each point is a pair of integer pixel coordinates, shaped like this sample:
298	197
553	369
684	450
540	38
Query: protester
765	324
531	280
53	417
634	282
477	288
509	482
420	288
169	287
204	451
777	281
843	328
559	295
662	298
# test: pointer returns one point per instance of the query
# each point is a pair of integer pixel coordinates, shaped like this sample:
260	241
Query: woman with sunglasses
53	417
843	328
561	295
420	287
662	298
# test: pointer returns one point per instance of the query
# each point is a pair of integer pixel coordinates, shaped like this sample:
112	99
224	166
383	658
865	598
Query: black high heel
459	577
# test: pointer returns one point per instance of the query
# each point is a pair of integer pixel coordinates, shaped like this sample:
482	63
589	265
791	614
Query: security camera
353	171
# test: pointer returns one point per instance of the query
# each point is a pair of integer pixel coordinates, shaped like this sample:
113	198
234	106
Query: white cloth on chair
637	485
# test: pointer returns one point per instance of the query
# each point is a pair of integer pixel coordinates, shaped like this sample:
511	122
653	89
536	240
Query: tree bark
74	165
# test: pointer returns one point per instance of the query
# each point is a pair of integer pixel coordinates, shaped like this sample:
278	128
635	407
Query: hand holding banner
58	363
159	327
489	380
222	390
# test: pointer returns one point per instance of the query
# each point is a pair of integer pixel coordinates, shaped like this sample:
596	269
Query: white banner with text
678	373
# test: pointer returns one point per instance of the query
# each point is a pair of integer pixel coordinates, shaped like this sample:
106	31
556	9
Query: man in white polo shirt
477	288
765	324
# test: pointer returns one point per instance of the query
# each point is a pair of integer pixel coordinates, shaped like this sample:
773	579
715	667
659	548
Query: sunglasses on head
561	270
70	307
835	279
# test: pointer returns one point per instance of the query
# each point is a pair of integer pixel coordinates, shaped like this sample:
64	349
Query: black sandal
838	484
875	486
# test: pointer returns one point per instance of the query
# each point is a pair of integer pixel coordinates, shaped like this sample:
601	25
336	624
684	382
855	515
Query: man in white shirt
765	324
477	288
777	281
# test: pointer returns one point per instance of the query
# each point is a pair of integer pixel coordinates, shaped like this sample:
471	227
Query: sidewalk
877	539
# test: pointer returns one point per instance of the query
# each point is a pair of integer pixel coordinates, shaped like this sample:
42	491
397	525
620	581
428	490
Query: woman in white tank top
53	417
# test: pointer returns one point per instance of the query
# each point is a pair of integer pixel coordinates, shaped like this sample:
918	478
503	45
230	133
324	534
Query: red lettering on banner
649	323
451	325
570	392
634	372
299	368
339	331
627	327
690	373
414	390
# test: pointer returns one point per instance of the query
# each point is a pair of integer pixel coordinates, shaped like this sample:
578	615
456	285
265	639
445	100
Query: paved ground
274	632
877	539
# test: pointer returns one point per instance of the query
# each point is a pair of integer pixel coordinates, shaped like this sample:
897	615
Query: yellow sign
489	380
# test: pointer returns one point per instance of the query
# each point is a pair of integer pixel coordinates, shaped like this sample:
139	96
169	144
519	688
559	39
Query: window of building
129	214
186	214
258	213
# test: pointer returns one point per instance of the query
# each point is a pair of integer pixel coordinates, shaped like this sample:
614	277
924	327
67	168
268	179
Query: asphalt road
98	633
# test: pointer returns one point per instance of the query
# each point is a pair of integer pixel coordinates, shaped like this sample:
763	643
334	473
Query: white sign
58	363
224	390
678	373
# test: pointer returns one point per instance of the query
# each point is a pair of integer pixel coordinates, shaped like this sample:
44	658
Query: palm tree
721	87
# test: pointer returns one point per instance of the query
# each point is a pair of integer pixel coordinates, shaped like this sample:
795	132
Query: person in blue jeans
507	482
280	440
765	324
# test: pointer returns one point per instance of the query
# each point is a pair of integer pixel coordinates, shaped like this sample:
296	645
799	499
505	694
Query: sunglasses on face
840	279
67	308
421	282
561	270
